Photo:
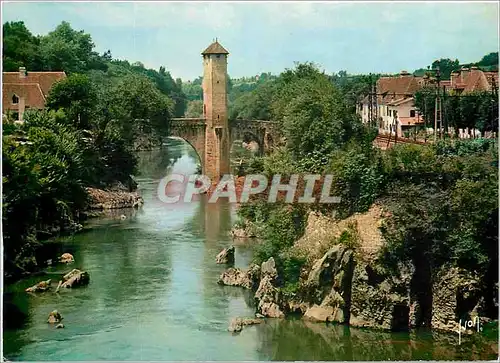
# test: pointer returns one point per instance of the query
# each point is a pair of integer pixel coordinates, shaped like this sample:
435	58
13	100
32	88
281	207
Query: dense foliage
85	137
477	110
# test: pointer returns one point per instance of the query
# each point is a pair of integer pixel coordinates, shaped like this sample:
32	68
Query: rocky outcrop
456	295
268	295
54	317
236	325
75	278
328	285
379	300
66	258
60	326
40	287
344	280
226	256
107	199
322	231
237	277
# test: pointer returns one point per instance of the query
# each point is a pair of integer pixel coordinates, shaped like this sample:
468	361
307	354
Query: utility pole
372	102
437	106
445	121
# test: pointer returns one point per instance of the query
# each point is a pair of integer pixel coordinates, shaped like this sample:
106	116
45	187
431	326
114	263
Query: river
153	295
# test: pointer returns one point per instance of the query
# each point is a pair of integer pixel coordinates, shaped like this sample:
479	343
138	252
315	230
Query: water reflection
153	294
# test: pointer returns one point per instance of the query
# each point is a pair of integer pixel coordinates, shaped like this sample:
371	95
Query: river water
153	295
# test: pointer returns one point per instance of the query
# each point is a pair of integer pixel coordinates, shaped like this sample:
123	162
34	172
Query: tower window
217	117
15	99
412	113
217	81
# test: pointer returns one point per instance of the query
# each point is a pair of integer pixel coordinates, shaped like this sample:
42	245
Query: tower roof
215	48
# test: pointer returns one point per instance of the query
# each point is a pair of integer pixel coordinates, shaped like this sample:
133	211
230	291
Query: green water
153	295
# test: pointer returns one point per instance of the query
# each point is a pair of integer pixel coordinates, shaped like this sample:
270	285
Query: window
412	113
218	55
15	99
390	112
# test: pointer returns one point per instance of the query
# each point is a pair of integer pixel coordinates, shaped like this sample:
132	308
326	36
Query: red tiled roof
474	80
44	79
33	88
397	87
31	92
215	48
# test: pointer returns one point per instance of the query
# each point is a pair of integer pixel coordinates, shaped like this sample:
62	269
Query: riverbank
100	202
343	280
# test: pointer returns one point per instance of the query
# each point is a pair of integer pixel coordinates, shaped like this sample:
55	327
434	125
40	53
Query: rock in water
66	258
75	278
236	277
60	326
267	295
40	287
236	325
54	317
226	256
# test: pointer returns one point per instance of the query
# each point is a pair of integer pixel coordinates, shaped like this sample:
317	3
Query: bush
282	228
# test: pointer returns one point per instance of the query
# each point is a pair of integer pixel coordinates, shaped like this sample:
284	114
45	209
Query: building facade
395	106
26	90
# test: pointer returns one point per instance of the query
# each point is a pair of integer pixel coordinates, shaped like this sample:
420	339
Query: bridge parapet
192	121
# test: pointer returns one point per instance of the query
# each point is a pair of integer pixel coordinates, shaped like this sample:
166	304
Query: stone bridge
194	131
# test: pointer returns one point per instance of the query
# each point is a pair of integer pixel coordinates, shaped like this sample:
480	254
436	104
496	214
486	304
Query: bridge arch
191	130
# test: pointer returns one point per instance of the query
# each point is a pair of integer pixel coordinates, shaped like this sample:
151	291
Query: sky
359	37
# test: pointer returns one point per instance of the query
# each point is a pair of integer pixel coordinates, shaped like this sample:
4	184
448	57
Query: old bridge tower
215	112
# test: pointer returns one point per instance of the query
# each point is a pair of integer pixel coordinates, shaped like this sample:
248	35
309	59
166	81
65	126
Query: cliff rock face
350	284
379	300
328	286
456	295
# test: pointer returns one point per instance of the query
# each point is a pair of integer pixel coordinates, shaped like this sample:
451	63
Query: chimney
22	72
464	72
454	78
404	74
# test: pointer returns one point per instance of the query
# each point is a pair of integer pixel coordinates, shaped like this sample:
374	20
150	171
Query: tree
195	109
446	66
20	48
490	59
312	112
137	107
65	49
77	96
